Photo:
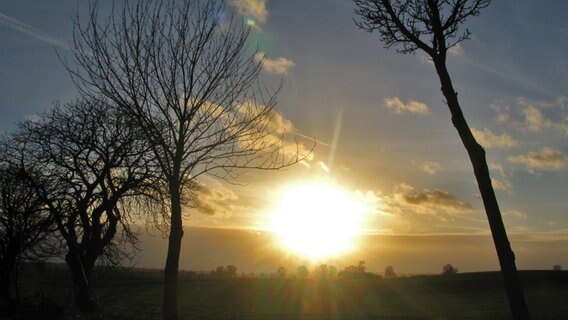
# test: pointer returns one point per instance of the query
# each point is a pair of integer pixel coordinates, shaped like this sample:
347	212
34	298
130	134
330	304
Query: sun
317	220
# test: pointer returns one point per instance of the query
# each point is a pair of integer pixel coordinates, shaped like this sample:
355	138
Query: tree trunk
477	157
5	283
81	271
8	268
172	259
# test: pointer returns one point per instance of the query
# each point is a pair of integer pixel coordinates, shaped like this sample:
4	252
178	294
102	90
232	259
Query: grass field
461	296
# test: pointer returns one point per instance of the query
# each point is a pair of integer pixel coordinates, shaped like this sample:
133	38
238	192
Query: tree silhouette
183	74
332	271
219	272
231	271
281	272
322	271
302	272
355	272
389	272
448	269
25	224
92	172
362	267
433	26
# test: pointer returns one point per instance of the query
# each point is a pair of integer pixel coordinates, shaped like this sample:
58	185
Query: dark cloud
427	201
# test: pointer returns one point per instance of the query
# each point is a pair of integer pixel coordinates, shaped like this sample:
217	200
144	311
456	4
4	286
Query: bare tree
183	73
433	26
25	224
93	170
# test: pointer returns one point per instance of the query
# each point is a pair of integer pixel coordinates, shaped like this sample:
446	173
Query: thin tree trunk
477	157
172	259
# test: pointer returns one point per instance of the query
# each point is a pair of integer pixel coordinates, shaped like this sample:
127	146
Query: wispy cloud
277	131
533	116
546	158
412	106
534	119
277	66
490	140
456	50
31	31
430	167
253	8
516	214
501	182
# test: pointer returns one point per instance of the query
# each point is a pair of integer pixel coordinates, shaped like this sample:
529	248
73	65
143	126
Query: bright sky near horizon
383	132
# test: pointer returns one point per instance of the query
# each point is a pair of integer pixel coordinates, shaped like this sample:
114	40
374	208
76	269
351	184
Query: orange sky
204	249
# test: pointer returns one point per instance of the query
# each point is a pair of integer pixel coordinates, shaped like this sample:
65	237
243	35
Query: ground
137	295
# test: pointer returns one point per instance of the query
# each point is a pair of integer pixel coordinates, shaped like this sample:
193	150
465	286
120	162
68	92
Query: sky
381	129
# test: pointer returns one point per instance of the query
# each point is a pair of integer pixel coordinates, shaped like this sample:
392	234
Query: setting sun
317	220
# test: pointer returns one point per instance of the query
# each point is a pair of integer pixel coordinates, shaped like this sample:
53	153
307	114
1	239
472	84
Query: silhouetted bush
449	270
389	272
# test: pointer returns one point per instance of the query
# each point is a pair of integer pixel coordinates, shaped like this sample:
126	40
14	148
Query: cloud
490	140
456	50
428	167
546	158
501	183
271	131
534	120
31	31
533	116
270	121
412	106
212	201
279	124
276	66
515	213
217	194
427	201
253	8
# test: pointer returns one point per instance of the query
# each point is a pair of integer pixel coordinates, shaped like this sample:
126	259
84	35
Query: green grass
462	296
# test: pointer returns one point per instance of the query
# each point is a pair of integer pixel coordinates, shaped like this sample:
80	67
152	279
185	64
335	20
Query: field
128	295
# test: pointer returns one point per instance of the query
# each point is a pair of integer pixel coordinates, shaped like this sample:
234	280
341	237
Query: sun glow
318	220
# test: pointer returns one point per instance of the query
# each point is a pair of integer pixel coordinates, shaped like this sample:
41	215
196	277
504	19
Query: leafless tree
93	171
183	72
25	224
433	26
